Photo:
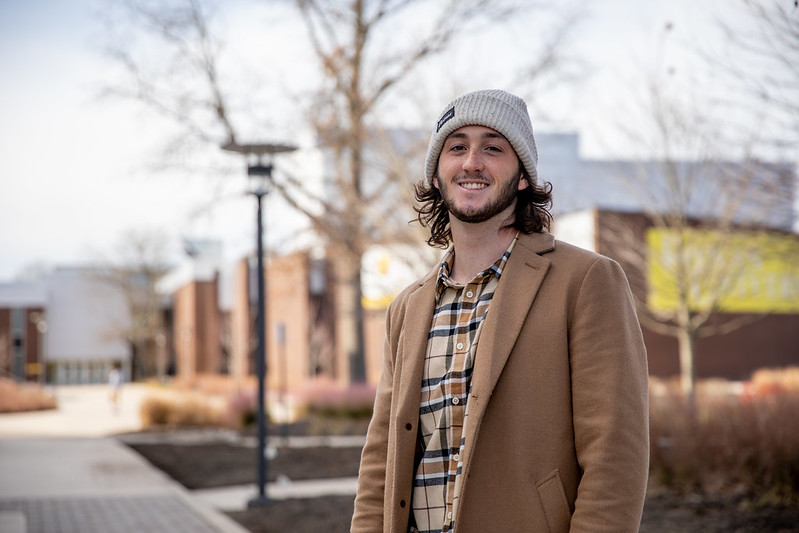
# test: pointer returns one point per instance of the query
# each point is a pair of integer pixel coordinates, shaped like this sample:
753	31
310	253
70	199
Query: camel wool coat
557	438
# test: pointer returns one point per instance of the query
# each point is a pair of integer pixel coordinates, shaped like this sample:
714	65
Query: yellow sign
377	304
734	273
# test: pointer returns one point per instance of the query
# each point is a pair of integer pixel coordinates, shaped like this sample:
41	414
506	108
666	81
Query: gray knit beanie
495	109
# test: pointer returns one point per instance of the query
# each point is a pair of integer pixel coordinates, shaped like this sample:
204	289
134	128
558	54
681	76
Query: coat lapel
518	286
416	324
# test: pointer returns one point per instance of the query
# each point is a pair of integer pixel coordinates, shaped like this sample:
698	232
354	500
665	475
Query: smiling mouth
474	186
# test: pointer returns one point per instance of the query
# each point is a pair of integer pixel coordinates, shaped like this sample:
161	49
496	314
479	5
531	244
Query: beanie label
443	120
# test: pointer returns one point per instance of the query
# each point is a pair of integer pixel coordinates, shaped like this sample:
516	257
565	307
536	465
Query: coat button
402	503
409	426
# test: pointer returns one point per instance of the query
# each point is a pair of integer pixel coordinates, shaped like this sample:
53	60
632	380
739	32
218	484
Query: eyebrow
487	135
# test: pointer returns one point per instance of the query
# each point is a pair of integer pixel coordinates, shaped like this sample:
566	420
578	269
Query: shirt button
469	294
449	516
459	346
457	457
456	400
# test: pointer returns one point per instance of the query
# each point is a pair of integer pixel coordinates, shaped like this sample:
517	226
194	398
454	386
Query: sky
76	169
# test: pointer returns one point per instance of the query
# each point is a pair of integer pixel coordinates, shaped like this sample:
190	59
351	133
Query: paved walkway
95	485
65	471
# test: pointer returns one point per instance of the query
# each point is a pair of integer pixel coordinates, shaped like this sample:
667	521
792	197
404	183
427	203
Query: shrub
154	411
242	409
18	397
328	400
728	442
213	384
768	381
181	410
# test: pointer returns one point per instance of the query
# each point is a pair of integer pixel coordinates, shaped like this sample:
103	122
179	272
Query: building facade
23	325
64	327
753	328
69	326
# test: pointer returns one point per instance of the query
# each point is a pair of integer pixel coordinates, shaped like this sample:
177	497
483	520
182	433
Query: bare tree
706	221
360	69
762	64
716	218
133	270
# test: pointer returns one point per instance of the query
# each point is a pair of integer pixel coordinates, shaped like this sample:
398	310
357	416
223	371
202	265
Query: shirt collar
443	280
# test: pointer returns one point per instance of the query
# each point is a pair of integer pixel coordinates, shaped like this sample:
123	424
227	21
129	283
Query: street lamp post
261	173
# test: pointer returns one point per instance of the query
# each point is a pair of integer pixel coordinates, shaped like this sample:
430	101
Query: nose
473	161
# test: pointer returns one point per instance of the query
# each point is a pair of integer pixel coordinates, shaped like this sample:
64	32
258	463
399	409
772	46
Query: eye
457	148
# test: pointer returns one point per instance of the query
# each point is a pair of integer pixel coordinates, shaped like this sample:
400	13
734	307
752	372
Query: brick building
301	330
64	327
763	332
23	324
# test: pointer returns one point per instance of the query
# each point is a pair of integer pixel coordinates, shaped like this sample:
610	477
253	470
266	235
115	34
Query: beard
506	198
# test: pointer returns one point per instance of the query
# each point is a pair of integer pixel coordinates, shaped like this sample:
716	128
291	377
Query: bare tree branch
762	47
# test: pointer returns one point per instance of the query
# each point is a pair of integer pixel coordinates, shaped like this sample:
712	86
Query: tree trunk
349	321
358	357
687	347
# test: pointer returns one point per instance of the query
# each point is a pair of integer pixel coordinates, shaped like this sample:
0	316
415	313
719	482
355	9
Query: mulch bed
666	512
205	466
328	514
220	464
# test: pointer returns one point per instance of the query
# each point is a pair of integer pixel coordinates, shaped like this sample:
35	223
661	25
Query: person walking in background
514	393
115	380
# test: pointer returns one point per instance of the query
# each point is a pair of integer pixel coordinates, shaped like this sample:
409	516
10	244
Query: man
514	387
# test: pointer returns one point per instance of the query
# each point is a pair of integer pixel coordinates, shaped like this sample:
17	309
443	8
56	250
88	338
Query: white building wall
85	318
577	228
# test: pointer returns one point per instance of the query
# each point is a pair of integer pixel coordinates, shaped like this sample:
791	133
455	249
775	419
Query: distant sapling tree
708	220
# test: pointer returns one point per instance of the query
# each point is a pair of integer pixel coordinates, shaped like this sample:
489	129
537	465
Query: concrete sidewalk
235	498
95	485
63	471
67	471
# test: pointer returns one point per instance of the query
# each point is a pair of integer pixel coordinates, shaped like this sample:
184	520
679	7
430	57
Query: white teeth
474	185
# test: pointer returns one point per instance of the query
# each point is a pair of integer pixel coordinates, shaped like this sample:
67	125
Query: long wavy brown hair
533	213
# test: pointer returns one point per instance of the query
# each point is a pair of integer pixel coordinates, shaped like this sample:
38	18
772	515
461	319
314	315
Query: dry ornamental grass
18	397
740	444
